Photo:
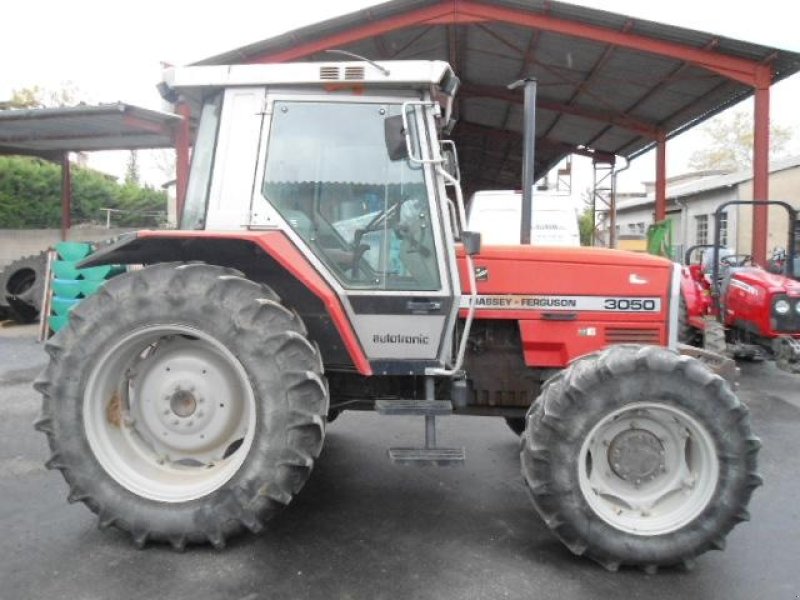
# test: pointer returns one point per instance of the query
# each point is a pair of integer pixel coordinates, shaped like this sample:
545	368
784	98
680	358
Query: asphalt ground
363	528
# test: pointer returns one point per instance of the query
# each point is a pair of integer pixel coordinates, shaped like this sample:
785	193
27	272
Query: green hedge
30	196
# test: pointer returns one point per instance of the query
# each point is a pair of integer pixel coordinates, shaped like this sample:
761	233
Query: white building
693	198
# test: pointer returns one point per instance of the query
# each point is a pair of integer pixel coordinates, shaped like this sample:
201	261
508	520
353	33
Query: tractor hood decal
637	304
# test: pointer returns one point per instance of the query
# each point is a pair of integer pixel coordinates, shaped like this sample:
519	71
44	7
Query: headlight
782	307
797	308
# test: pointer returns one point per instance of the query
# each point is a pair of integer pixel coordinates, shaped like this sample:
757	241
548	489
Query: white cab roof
414	73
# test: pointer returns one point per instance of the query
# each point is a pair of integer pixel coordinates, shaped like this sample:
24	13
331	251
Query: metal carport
608	84
52	133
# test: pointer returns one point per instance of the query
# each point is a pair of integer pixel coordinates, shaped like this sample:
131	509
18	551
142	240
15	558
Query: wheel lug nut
175	421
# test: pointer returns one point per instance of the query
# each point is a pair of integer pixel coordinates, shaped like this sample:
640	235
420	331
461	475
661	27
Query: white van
497	215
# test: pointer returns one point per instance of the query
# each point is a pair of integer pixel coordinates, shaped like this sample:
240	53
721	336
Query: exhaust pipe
528	155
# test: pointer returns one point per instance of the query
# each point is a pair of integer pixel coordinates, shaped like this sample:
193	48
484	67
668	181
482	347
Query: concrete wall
16	243
783	185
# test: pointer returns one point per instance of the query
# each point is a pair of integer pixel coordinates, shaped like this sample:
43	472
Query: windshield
194	211
328	173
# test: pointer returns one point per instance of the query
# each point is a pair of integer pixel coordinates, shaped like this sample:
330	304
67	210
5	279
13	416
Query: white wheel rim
169	413
648	468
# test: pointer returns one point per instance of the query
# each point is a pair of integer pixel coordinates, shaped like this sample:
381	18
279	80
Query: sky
113	51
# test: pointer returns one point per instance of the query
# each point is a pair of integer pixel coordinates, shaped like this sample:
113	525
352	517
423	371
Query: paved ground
365	529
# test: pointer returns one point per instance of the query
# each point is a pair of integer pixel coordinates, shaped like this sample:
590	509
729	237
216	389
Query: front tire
183	404
639	456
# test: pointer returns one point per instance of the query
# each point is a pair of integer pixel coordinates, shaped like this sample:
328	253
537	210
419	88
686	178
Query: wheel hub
636	455
183	403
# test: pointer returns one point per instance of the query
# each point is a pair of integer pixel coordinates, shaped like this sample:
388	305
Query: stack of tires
71	284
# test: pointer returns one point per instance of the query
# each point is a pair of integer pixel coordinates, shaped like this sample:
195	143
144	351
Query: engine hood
769	282
560	270
580	255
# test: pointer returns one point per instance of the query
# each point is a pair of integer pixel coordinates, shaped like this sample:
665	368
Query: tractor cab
344	158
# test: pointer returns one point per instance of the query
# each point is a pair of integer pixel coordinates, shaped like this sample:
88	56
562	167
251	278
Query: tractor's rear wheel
639	456
183	403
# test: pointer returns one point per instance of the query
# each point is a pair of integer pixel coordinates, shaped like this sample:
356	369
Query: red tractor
737	306
321	265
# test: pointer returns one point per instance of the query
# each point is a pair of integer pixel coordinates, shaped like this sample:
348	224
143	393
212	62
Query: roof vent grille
351	73
329	73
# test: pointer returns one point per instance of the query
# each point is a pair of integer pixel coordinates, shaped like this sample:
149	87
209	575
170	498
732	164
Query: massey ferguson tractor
323	264
735	306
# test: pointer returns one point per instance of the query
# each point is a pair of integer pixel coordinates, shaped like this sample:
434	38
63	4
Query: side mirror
450	156
395	136
471	241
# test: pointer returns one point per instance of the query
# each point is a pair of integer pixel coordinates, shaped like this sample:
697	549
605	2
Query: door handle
423	305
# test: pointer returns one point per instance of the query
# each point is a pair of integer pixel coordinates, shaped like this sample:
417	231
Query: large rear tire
183	404
639	456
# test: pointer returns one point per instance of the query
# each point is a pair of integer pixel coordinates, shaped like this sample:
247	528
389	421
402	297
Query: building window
701	229
723	229
640	228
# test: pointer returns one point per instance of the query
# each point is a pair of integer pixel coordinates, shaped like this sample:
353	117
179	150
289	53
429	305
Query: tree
132	169
39	97
30	196
586	226
730	143
586	220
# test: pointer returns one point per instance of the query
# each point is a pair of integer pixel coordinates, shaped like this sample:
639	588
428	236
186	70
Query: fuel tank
571	301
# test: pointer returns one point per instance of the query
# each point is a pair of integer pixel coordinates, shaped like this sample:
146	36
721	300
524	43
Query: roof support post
182	143
761	174
66	196
661	178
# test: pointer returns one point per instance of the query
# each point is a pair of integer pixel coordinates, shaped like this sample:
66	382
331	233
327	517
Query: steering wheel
736	260
390	216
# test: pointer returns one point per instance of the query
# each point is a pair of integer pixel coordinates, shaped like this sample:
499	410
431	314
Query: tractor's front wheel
183	403
639	456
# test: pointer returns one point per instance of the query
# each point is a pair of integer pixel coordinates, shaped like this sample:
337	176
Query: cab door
372	226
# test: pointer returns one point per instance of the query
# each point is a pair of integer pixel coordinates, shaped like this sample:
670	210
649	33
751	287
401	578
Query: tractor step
427	456
425	408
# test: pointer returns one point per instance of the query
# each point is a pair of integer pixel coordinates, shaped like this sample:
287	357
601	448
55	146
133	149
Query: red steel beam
745	71
761	174
500	93
507	135
661	178
182	145
415	17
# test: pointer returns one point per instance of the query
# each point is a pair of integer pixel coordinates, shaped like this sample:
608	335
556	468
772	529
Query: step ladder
430	454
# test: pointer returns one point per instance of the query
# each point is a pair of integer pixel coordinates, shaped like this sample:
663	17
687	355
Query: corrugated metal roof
52	131
590	92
